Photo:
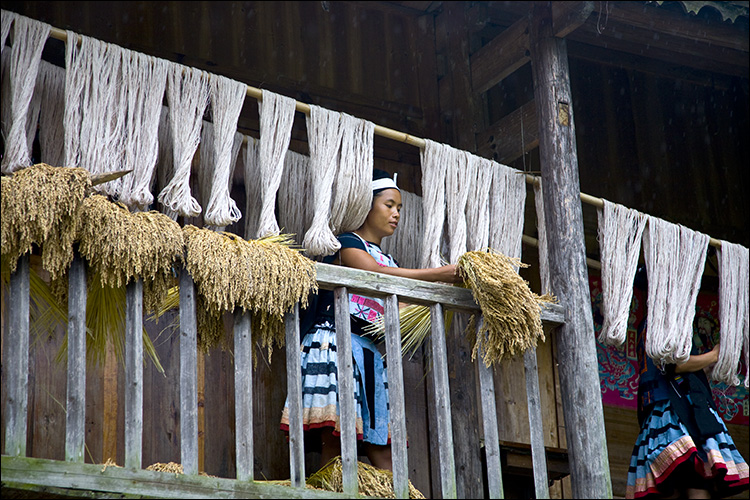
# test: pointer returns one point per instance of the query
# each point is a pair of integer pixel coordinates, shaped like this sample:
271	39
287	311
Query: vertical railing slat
396	398
442	402
75	413
347	415
243	395
134	374
188	374
489	422
17	360
538	454
294	397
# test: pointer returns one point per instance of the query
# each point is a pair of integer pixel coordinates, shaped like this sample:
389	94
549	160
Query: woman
359	249
684	449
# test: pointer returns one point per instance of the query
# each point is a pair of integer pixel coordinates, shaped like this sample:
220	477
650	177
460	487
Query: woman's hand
449	274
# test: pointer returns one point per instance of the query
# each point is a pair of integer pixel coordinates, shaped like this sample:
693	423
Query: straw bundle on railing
121	246
372	482
511	311
265	277
41	206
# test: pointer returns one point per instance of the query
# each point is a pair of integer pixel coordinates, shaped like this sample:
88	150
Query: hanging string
29	37
146	80
507	203
6	20
352	193
324	139
675	257
276	120
459	172
734	299
620	231
187	96
478	205
165	159
434	158
52	114
253	195
295	210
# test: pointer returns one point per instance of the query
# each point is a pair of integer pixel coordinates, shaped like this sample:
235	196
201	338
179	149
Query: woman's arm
699	361
354	257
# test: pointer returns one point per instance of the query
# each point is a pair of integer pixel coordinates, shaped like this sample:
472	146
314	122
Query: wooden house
641	103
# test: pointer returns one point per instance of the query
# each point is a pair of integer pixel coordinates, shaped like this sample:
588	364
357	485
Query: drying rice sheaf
511	311
371	481
41	206
265	277
121	246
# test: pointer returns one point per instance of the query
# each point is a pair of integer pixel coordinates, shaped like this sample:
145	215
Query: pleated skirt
665	458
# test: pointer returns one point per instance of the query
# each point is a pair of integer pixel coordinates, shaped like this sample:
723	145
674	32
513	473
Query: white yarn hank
734	300
478	206
459	171
544	275
352	193
295	211
675	258
6	20
324	139
507	210
165	159
146	80
52	114
29	37
253	194
227	98
187	96
620	231
433	158
276	120
205	168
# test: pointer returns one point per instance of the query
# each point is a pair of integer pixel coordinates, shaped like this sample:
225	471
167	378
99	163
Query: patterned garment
665	456
318	358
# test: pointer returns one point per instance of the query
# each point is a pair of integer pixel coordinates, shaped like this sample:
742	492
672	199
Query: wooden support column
578	367
188	375
17	364
134	374
75	414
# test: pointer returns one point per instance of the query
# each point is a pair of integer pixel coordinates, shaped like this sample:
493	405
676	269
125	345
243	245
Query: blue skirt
320	401
666	457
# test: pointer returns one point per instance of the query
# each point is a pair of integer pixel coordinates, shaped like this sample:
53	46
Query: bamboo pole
383	132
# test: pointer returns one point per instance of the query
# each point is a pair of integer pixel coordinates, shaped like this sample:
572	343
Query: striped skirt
320	402
665	458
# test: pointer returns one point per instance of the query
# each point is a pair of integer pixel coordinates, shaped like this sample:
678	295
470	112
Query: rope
227	98
51	114
352	194
733	312
620	233
276	120
146	80
29	37
675	258
434	159
459	171
187	96
324	138
544	274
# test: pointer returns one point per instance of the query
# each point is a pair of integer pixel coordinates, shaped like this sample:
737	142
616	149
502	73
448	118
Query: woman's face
385	212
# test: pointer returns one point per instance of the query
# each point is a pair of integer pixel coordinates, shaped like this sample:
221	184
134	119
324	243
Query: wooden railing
342	281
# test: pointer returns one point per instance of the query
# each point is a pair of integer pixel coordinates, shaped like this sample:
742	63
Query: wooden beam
511	137
503	55
569	16
579	376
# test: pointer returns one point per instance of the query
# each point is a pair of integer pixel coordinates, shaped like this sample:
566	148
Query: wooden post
243	394
578	368
17	361
347	415
134	374
396	398
188	375
536	435
75	418
294	397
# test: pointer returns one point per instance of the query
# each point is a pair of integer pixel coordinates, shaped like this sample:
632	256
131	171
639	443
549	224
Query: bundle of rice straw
41	206
415	323
511	311
372	482
266	277
121	246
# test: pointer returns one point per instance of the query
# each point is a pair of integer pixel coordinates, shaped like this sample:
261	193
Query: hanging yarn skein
276	120
51	114
620	232
433	160
324	139
507	205
205	168
165	158
352	194
29	37
227	98
6	20
187	96
253	195
675	258
459	170
146	80
734	300
295	210
478	206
